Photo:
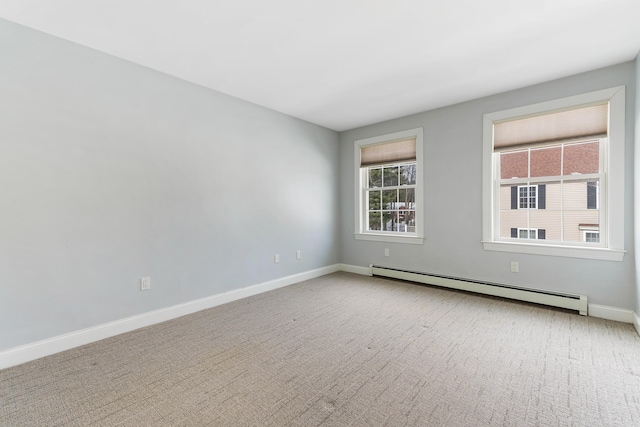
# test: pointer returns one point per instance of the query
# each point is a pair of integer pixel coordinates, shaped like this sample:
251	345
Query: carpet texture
342	350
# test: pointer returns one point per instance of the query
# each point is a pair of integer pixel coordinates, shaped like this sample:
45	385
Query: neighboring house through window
388	181
527	196
592	236
528	233
592	195
552	169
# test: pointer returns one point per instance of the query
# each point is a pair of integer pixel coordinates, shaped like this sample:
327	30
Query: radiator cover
554	299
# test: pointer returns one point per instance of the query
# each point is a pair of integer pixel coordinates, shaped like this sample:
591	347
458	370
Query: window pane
514	165
374	221
374	200
510	215
410	221
388	221
390	176
406	221
523	234
408	174
410	200
548	217
582	158
572	223
389	199
407	198
402	225
546	161
580	195
592	237
375	178
532	234
577	215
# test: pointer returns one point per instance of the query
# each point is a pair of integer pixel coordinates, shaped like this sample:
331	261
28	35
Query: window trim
612	218
360	208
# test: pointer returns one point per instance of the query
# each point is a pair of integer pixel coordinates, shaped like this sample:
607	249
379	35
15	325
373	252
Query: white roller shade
389	152
576	123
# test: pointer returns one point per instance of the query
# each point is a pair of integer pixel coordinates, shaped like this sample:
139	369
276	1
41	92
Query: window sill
552	250
413	240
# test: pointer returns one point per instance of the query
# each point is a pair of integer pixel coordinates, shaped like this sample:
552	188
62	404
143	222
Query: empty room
336	213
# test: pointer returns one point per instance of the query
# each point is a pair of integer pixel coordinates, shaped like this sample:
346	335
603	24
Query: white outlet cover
515	267
145	283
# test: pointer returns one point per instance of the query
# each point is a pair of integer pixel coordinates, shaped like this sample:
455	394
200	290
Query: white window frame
612	217
360	178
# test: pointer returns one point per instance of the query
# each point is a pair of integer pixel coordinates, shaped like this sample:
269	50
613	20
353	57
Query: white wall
453	199
110	171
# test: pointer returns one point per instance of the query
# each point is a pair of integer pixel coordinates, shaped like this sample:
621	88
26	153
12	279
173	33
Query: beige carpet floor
342	350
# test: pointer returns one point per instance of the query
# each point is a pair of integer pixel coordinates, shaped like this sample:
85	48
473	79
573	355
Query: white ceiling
348	63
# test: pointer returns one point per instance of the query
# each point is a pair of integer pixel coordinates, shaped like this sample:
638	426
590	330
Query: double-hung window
388	187
554	175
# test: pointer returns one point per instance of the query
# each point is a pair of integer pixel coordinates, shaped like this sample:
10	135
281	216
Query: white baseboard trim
25	353
366	271
611	313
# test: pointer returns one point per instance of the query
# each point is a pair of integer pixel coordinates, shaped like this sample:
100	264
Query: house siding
561	218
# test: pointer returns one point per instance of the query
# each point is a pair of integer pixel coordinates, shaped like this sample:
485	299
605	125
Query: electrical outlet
515	267
386	251
298	254
145	283
276	258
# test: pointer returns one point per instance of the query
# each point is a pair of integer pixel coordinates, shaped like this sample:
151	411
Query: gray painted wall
637	180
453	199
110	171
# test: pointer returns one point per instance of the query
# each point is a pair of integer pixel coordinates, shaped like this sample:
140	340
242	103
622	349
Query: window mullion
603	193
562	188
528	189
364	177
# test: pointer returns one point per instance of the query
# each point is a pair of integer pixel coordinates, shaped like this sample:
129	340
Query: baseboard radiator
554	299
